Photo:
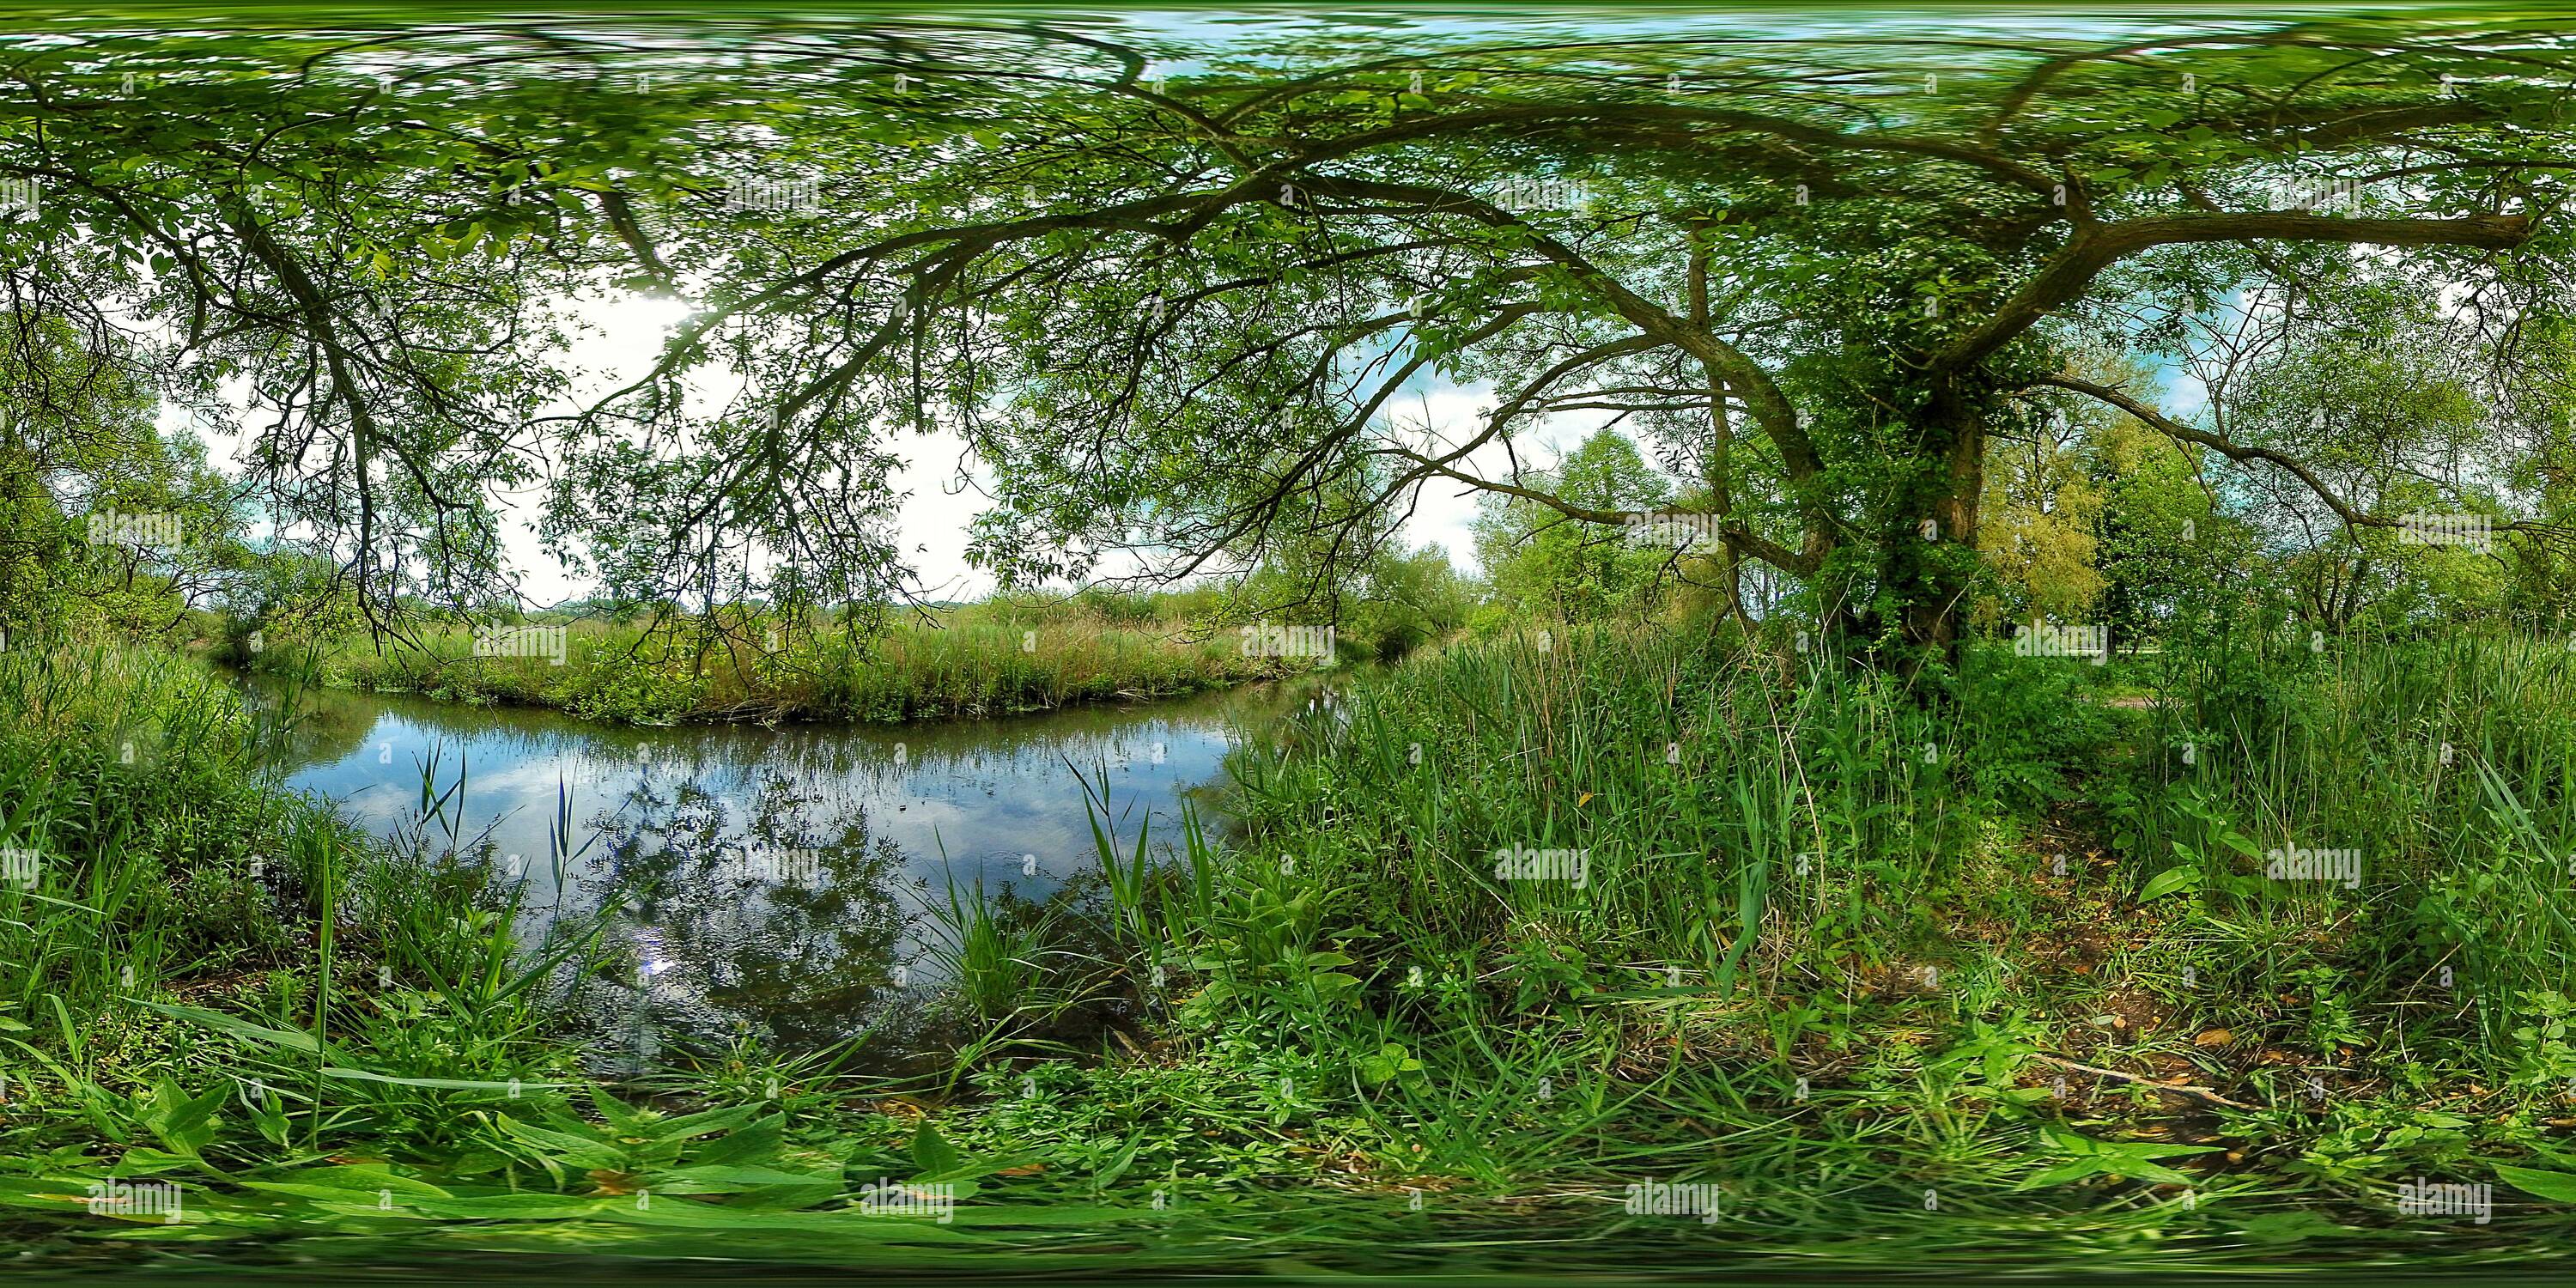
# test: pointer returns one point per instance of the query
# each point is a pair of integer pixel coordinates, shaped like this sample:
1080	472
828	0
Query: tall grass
1905	977
979	660
187	921
2446	768
1876	951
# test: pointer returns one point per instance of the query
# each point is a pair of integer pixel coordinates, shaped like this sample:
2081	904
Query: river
779	883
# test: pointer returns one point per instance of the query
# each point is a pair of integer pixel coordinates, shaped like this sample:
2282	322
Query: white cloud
621	337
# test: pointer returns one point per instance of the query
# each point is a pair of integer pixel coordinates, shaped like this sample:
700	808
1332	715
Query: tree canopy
1173	292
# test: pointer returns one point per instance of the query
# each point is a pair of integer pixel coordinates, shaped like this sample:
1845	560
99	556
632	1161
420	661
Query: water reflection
773	882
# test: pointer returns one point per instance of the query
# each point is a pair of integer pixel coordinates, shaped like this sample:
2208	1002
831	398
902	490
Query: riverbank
969	662
1508	938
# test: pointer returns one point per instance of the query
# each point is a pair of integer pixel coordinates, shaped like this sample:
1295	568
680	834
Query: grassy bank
227	1017
992	658
2003	978
1999	982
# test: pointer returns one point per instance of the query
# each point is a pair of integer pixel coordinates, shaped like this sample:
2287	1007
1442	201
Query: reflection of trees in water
662	817
1003	750
808	959
327	727
332	725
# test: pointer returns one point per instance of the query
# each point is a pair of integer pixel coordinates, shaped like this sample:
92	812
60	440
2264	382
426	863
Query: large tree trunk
1934	583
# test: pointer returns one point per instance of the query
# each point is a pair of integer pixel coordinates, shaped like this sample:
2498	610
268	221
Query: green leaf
579	1151
2288	1227
270	1118
2072	1170
700	1124
347	1183
757	1143
446	1084
733	1179
623	1120
932	1155
1390	1061
183	1124
512	1207
2560	1186
291	1039
2169	881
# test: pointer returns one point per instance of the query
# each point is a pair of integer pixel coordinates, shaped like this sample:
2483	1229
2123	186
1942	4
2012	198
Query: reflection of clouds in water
667	813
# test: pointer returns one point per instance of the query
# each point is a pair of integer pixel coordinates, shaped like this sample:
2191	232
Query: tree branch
2096	247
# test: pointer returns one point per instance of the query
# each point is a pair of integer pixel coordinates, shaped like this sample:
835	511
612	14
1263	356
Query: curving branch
2241	453
2096	247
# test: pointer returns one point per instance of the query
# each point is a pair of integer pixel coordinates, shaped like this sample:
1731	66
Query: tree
380	236
2389	409
1173	311
1409	600
108	521
1825	276
2041	510
2167	555
1535	556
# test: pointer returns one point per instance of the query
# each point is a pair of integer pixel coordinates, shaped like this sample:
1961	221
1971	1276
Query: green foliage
1406	602
1782	902
1541	562
1008	654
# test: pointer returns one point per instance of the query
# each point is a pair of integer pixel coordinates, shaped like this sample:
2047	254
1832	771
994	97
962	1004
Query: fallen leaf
2213	1037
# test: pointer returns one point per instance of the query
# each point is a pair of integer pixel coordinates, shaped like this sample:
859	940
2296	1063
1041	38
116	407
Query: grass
1827	955
1996	982
998	657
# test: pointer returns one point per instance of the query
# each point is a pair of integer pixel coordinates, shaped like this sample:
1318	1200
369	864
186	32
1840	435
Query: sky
625	333
621	336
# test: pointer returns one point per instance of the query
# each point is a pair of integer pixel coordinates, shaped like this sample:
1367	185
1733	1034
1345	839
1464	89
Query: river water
781	883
